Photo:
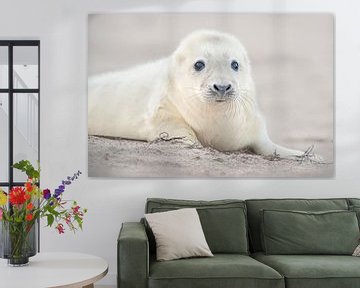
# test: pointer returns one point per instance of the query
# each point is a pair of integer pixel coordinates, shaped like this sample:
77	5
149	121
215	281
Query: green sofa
237	233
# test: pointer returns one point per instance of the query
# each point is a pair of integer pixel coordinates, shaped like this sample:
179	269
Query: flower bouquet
21	208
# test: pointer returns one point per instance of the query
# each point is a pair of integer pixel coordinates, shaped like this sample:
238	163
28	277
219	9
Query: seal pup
203	93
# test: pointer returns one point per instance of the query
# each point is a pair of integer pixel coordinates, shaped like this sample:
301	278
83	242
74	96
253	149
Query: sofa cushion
178	234
313	271
356	209
353	201
222	270
354	205
254	216
297	232
223	221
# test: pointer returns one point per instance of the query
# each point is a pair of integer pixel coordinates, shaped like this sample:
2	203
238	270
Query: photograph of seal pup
202	94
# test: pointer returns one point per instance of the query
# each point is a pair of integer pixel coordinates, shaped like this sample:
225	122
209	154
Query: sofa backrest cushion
256	205
353	201
354	205
298	232
223	221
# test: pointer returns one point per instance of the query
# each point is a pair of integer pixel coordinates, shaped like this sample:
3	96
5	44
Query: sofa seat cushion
222	270
313	271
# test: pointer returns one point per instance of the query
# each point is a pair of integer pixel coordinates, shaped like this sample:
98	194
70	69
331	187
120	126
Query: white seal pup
203	93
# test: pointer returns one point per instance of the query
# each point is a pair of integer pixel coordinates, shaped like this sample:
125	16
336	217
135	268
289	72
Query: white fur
170	96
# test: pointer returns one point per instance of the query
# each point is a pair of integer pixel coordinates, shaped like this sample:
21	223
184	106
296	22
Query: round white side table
50	270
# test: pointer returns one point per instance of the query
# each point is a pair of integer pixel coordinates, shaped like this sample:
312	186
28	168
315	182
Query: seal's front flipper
173	130
273	151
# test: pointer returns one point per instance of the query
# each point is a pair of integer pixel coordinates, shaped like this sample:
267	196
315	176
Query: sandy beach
114	157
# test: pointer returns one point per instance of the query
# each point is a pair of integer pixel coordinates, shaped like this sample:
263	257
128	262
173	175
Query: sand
128	158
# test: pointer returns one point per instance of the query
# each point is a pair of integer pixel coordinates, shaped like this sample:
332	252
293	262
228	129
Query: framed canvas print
210	95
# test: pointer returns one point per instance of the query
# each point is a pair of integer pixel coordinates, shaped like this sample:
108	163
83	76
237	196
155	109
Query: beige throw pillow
178	234
357	251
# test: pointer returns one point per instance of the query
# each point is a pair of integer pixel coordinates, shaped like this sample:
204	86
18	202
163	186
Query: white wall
61	26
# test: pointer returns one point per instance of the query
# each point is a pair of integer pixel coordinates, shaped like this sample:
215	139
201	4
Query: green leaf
28	168
50	219
79	221
51	210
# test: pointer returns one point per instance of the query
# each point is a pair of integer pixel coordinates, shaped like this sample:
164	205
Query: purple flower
46	194
57	193
68	181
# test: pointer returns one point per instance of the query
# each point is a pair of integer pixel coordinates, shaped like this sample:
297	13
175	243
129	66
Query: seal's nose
222	89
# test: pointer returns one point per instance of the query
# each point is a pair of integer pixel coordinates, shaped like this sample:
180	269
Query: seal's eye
235	65
199	65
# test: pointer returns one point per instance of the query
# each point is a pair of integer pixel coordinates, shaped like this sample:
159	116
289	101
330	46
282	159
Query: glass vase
18	242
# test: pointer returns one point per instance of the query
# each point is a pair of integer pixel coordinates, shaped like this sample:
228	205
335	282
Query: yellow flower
3	198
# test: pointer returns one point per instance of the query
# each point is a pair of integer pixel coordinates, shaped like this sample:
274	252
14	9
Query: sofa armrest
133	256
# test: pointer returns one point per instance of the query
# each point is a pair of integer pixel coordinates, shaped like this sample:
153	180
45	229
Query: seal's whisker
234	108
249	102
243	104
